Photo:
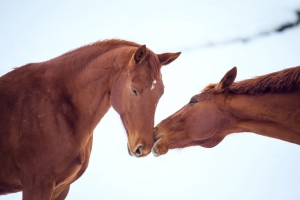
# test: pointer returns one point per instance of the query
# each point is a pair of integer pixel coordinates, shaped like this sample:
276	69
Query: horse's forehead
144	73
141	77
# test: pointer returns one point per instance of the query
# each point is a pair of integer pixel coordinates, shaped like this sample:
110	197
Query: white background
243	166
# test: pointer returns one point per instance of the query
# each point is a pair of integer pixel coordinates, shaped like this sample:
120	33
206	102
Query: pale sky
243	166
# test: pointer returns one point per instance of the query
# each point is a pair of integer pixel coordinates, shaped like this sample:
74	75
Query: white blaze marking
153	84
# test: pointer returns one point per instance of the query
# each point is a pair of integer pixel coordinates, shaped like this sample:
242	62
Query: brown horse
48	112
268	105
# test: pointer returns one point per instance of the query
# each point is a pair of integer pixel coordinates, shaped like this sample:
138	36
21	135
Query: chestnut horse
48	112
267	105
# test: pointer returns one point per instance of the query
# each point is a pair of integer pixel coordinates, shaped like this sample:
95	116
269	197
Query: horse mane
110	43
92	50
286	80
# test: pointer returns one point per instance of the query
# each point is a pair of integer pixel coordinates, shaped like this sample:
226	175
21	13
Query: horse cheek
118	99
202	126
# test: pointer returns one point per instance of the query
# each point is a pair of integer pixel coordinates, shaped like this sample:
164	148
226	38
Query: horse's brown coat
267	105
48	112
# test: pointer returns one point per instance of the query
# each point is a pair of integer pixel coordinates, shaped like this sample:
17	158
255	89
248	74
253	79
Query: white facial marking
153	84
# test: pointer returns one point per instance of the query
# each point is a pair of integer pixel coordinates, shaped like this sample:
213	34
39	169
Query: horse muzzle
159	148
138	152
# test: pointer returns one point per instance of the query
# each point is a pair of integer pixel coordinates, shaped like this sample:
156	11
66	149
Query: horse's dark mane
283	81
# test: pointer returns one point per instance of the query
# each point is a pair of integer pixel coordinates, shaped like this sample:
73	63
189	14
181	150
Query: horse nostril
156	138
138	151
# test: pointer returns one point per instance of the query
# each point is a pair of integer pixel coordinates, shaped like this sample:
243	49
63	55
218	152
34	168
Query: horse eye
193	101
134	92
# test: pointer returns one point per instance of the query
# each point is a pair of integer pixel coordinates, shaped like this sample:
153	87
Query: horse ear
140	54
227	80
167	58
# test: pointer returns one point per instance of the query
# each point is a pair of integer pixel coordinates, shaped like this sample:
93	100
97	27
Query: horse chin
159	148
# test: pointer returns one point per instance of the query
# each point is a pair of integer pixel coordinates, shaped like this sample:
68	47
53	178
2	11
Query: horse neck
273	115
86	85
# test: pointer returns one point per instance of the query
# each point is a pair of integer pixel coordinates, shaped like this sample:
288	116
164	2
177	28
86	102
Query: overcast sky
243	166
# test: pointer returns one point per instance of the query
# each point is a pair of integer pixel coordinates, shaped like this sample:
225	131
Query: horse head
135	93
199	122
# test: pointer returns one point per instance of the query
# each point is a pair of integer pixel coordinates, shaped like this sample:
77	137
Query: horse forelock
208	88
154	64
282	81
